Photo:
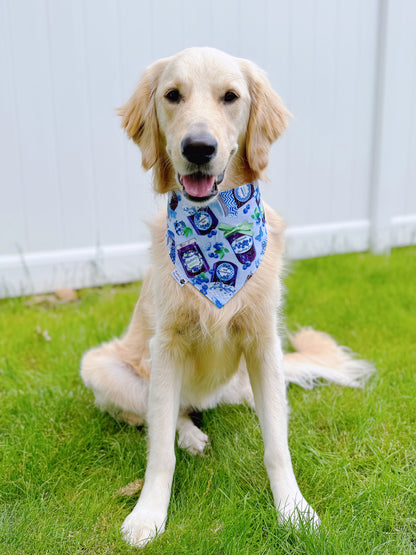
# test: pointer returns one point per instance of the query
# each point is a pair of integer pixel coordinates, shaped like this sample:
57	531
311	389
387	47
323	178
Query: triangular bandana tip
219	246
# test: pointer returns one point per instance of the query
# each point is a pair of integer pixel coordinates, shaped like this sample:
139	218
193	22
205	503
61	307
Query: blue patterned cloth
219	246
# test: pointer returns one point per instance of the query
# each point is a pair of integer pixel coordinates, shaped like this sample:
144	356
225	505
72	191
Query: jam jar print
243	247
243	194
204	221
192	259
225	272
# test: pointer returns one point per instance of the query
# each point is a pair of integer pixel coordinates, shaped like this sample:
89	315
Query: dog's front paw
297	511
140	527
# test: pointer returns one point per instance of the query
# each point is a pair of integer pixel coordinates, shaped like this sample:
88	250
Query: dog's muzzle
199	149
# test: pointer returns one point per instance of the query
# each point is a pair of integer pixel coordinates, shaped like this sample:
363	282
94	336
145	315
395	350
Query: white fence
72	196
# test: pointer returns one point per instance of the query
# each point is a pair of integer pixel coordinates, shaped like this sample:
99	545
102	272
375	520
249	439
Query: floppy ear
268	118
139	115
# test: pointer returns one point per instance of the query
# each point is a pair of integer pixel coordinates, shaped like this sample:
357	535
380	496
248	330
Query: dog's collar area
216	245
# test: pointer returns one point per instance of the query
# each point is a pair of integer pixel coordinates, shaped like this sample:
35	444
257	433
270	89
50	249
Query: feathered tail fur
318	357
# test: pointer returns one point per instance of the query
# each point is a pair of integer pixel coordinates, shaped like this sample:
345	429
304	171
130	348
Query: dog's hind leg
118	371
190	437
117	388
119	391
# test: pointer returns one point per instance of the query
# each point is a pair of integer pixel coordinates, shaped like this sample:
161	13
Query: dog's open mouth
200	186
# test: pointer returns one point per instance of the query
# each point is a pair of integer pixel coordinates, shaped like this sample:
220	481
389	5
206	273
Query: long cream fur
180	351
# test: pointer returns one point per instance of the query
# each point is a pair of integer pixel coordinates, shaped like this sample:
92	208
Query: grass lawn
62	461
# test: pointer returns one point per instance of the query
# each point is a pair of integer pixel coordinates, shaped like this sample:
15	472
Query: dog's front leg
148	518
266	375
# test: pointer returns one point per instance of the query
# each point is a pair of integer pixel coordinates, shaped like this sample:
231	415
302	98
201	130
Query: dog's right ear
138	115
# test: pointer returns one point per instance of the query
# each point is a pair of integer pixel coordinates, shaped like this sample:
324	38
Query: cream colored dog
205	122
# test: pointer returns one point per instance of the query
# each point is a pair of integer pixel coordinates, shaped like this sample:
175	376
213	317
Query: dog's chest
210	361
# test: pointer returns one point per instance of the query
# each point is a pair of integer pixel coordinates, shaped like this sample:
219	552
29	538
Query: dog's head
204	120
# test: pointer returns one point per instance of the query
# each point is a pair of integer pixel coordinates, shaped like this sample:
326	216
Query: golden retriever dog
205	122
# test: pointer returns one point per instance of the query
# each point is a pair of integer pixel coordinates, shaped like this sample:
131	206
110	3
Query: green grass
61	460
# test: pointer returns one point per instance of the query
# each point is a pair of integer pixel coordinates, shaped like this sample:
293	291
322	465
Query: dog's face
203	107
204	120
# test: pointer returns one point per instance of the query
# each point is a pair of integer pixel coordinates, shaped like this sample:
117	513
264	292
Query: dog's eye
230	97
173	96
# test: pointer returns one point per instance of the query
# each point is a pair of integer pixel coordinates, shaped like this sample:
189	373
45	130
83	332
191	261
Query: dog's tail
319	357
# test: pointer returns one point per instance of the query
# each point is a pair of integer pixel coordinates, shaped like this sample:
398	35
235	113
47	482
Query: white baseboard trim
42	272
325	239
26	274
403	231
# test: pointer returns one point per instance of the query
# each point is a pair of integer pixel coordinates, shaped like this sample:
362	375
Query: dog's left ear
268	117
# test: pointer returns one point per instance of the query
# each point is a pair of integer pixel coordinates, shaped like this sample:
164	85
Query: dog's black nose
199	148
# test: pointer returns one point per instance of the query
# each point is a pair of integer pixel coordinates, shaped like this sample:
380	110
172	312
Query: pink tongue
200	186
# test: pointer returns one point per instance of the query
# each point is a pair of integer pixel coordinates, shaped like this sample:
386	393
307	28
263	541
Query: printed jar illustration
225	272
203	220
192	259
241	240
243	194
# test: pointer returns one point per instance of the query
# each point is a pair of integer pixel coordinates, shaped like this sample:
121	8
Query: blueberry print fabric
219	246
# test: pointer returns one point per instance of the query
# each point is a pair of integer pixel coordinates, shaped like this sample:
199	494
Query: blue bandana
219	246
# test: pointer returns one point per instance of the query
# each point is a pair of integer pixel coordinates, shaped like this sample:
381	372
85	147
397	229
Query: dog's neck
218	246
